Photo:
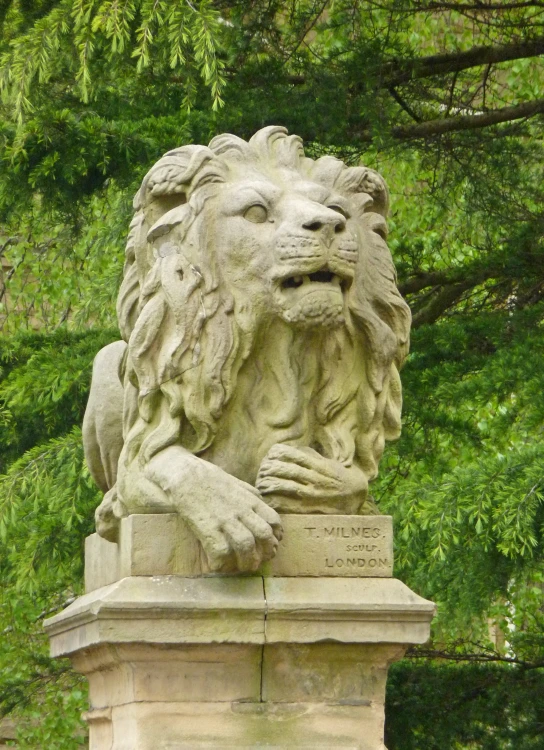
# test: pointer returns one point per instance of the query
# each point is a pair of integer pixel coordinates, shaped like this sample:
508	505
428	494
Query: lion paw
301	480
236	528
239	535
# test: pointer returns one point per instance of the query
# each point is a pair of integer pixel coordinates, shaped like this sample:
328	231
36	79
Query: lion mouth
318	277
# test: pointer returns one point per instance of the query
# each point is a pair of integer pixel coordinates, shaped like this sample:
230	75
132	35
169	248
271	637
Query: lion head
234	242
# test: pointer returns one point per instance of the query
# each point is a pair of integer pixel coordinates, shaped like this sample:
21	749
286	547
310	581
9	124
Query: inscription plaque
312	545
334	545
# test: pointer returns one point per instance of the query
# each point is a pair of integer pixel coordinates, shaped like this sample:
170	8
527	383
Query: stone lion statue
263	335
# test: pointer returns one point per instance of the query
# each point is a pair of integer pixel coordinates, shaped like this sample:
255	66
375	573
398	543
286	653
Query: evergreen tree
446	100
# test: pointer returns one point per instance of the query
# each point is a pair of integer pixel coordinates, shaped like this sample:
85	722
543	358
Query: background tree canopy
446	100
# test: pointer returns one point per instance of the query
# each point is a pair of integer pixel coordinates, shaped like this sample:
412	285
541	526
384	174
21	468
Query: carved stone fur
265	334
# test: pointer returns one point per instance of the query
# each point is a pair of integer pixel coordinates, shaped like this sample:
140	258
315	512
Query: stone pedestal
178	660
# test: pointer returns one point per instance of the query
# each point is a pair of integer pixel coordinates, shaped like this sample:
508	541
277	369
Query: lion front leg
301	480
236	528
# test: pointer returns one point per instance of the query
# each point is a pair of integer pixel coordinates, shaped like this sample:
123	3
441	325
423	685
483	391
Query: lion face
288	244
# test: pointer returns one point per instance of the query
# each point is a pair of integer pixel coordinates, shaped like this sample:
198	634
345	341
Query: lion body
279	397
260	309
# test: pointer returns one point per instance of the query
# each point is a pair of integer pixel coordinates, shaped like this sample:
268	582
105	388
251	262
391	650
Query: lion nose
327	222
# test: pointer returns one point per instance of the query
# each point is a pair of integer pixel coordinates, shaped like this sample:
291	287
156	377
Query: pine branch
404	104
447	297
461	7
447	289
399	72
466	122
480	654
422	281
403	71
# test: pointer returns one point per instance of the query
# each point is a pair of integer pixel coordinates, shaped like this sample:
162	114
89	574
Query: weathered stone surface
238	726
313	545
331	545
263	336
239	662
102	416
352	674
138	672
159	544
348	610
172	609
8	731
101	562
162	609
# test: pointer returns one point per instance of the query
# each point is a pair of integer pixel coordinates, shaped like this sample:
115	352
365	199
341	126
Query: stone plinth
312	545
266	661
260	375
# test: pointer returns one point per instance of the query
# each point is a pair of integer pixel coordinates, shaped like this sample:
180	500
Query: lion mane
185	351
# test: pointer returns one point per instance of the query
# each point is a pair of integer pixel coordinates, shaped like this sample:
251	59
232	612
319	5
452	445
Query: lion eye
257	214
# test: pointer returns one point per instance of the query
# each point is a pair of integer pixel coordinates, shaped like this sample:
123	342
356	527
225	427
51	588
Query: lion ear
168	221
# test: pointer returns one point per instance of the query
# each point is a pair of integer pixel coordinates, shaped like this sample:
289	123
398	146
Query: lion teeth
318	277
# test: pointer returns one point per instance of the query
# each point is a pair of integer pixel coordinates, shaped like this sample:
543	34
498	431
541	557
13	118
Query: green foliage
44	382
45	695
93	92
48	492
47	501
489	707
69	36
41	251
56	719
466	482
